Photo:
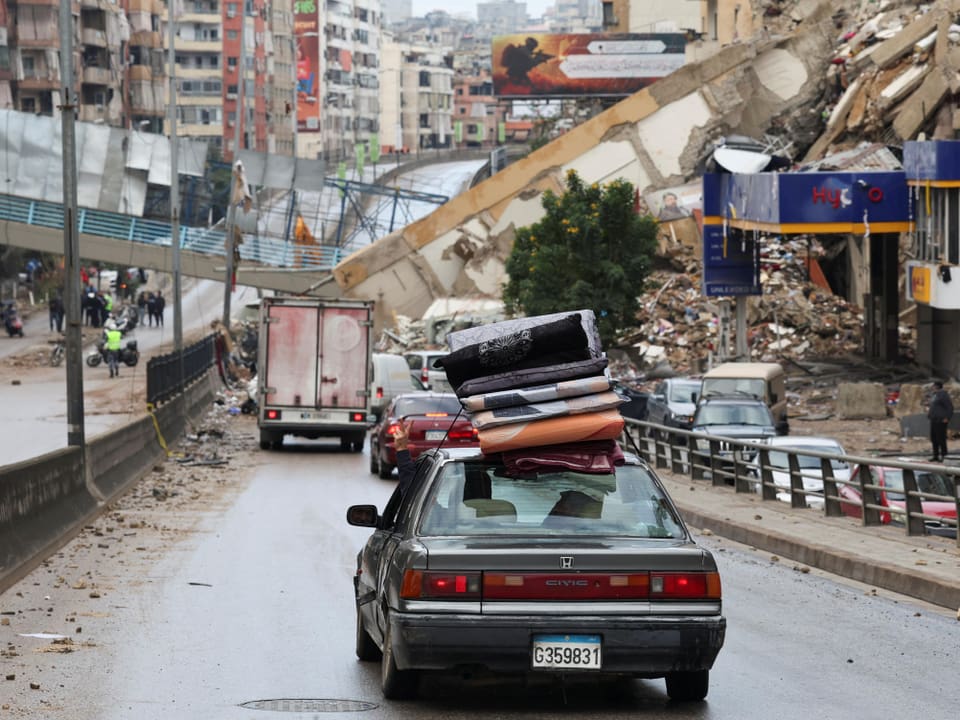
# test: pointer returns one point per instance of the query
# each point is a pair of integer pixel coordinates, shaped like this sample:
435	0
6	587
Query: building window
232	63
424	78
233	34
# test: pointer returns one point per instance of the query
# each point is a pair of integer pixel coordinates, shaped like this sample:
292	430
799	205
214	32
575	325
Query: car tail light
685	586
433	585
379	393
425	374
273	414
358	417
467	434
392	429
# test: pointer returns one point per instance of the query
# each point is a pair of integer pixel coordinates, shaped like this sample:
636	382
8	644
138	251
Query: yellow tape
156	425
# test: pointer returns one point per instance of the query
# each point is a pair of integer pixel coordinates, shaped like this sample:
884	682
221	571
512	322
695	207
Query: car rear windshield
749	387
927	483
781	460
480	499
428	404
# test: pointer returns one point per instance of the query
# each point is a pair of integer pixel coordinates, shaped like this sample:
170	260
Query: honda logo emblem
566	562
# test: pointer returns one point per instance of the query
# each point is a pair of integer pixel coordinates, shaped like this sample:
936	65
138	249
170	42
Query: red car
891	495
438	420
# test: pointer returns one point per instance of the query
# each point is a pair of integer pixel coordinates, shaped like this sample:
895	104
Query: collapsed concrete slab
653	139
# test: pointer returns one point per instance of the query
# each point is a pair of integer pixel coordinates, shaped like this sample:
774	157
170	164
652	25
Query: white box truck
314	370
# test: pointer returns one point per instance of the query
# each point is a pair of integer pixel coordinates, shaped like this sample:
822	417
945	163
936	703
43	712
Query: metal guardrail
116	226
745	465
163	381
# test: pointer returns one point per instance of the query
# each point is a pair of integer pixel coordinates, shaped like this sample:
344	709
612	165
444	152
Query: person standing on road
161	304
939	414
141	307
56	313
113	348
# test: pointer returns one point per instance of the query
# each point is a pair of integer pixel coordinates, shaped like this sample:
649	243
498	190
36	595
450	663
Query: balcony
140	73
209	46
145	39
45	43
36	82
91	36
96	76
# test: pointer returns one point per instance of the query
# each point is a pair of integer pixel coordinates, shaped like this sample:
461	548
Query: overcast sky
535	8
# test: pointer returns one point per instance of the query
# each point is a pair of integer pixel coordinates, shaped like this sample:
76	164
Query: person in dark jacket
939	414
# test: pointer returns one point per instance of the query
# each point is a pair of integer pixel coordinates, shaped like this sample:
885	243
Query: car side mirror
362	515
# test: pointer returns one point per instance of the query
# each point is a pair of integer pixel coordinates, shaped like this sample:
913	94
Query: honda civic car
436	419
513	569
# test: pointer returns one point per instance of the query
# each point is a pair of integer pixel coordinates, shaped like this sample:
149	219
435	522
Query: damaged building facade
843	91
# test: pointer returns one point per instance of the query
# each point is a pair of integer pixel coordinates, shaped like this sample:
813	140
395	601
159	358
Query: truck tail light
434	585
358	417
273	414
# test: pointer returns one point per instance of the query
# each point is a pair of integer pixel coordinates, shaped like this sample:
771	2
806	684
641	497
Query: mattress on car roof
560	341
513	379
537	393
459	339
538	411
602	425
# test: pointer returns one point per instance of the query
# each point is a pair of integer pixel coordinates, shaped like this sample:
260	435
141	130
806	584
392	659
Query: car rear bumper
631	645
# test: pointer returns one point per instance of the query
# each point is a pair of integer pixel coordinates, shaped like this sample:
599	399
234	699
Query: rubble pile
679	329
895	64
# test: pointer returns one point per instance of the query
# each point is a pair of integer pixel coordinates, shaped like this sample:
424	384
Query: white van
391	376
763	381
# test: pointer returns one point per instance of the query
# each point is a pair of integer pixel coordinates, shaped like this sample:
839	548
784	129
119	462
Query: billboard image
306	28
563	65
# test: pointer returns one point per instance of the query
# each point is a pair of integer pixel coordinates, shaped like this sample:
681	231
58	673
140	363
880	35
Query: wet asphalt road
256	605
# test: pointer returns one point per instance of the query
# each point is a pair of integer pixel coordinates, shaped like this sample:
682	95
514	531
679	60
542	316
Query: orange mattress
604	425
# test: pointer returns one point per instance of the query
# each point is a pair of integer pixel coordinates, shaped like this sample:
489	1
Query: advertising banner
564	65
306	28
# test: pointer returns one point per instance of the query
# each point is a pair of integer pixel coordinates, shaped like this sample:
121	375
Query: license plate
316	415
434	434
567	652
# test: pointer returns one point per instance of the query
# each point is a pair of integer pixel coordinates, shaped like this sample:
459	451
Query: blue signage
731	262
931	160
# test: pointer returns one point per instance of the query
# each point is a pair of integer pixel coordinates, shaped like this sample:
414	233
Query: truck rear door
344	357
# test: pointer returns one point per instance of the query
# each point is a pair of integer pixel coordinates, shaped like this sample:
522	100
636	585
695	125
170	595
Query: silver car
526	570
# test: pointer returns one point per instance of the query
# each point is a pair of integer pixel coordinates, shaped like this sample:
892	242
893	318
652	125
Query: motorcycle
12	321
129	355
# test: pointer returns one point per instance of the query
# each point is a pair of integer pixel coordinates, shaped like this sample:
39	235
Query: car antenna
452	423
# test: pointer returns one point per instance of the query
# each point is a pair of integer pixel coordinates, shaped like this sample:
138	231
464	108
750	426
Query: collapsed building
840	93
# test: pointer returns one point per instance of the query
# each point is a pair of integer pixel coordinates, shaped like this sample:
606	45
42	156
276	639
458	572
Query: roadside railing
163	371
745	466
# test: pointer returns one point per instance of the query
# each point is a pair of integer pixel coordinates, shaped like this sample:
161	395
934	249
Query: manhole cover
309	705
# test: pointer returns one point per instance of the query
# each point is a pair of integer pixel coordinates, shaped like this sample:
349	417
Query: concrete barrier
856	401
45	501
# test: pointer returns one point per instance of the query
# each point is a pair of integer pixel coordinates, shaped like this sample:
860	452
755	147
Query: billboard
306	29
564	65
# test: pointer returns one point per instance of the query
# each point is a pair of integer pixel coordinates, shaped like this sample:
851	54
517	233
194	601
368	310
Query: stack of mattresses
536	391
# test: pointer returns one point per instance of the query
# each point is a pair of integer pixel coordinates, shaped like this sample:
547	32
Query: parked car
891	495
438	420
636	400
673	402
811	468
739	418
421	367
547	572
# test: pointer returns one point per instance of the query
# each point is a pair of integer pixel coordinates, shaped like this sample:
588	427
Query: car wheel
385	471
374	459
265	440
688	686
358	441
396	684
367	649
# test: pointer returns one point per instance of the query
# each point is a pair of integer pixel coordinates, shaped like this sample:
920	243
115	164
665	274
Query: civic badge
566	562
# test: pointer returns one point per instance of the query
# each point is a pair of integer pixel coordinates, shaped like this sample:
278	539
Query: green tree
591	250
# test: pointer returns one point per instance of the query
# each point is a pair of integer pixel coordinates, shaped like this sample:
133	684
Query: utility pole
71	238
239	144
174	189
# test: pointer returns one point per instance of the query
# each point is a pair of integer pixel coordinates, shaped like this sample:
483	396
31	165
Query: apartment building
476	113
416	96
577	16
144	82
